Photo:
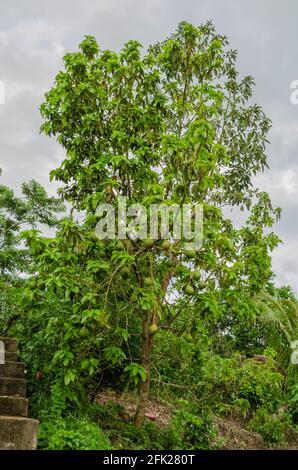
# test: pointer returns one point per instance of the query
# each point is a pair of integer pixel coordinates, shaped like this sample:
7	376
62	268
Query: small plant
194	426
72	434
272	427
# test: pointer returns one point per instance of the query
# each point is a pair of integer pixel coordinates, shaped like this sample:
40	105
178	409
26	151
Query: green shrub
194	428
72	434
272	427
241	383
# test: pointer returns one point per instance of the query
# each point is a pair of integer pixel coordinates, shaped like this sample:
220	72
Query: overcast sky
34	35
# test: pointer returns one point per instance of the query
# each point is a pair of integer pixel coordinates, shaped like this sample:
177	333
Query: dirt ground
232	433
156	411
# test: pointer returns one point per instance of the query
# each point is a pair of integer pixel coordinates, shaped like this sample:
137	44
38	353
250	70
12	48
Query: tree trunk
147	346
145	362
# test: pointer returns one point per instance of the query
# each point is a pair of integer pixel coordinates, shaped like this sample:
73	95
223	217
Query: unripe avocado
196	275
166	245
148	243
153	329
189	290
190	254
148	281
84	332
203	284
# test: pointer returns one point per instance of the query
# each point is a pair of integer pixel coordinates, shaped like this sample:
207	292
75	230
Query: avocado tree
174	125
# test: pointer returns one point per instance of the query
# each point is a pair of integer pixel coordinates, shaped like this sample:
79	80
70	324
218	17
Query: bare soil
232	432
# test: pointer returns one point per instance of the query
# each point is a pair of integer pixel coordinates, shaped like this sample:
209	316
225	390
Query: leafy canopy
174	125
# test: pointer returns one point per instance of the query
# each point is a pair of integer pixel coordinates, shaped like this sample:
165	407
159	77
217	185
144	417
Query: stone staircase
17	431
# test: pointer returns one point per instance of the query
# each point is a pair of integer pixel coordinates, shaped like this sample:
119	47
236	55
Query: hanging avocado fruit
189	290
125	272
148	281
148	243
203	285
166	245
190	254
84	332
196	275
153	329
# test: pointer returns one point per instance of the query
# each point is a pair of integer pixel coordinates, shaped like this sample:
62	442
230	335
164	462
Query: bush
194	428
241	384
272	427
72	434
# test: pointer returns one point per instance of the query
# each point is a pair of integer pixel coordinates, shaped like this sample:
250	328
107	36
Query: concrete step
11	345
11	356
18	433
10	386
13	406
12	369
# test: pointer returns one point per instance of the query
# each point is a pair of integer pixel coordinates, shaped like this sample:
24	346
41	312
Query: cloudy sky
35	34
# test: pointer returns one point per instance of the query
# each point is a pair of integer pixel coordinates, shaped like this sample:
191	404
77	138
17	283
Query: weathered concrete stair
17	431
